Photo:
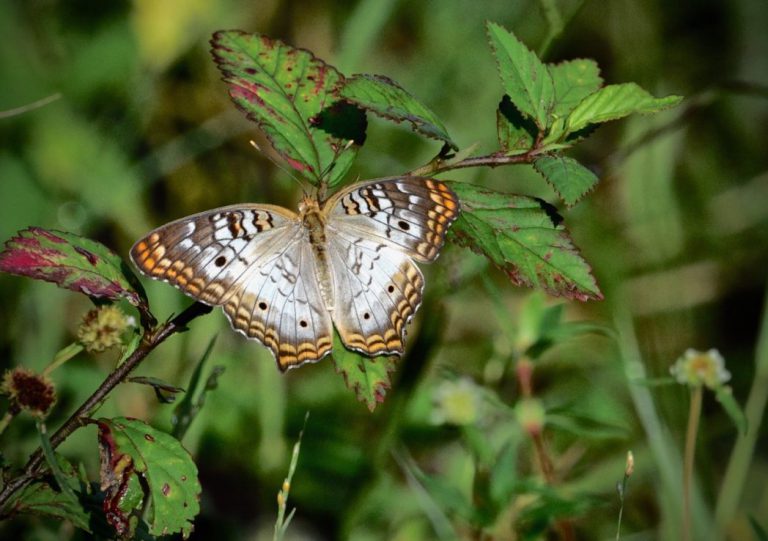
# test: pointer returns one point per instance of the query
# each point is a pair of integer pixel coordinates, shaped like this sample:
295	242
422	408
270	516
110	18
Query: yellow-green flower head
457	402
695	368
102	328
29	391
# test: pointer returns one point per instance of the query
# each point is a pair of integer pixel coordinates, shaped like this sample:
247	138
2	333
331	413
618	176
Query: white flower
695	368
456	402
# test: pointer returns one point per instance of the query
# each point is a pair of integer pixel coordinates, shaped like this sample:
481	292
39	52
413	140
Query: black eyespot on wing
391	288
263	305
303	323
366	316
220	261
405	226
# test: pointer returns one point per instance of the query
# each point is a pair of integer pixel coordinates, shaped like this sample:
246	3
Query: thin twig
491	160
30	106
76	420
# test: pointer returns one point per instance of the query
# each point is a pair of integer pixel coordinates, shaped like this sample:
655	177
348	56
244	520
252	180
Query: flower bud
29	391
102	328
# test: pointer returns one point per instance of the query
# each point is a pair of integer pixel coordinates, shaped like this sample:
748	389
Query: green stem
63	356
151	340
6	420
741	456
694	415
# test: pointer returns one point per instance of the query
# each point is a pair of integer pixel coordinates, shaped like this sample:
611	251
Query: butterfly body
287	279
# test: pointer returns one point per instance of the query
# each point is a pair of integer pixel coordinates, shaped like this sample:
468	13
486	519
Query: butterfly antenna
277	164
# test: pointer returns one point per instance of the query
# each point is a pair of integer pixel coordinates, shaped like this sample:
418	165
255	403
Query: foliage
510	415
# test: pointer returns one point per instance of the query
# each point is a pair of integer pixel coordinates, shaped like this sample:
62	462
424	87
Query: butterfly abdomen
312	219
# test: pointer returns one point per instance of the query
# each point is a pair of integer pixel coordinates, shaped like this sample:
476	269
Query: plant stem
694	415
151	340
63	356
491	160
741	456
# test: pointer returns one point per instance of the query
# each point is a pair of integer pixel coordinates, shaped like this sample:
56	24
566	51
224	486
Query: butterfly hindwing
377	289
279	304
411	214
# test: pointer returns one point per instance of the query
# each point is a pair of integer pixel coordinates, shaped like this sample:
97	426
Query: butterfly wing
375	230
377	289
256	262
411	214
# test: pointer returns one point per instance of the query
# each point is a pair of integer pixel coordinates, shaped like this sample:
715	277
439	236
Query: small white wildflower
695	368
456	402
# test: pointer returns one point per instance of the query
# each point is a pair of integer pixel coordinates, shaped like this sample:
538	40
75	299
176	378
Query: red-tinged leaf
135	455
294	98
368	377
524	237
385	98
71	262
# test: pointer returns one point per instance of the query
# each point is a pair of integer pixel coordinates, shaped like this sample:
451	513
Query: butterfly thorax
312	219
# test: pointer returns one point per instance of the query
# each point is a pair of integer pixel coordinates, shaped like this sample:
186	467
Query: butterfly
287	279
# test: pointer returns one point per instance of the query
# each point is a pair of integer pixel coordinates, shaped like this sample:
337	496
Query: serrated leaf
40	498
616	101
385	98
524	237
569	178
515	132
130	449
293	96
367	376
71	262
525	78
732	408
573	81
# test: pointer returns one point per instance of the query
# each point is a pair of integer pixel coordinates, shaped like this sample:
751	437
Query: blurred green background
142	132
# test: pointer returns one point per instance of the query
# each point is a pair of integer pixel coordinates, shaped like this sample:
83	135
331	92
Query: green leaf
516	133
569	178
732	408
523	237
385	98
573	80
367	376
71	262
526	79
130	449
294	98
164	391
40	498
503	478
616	101
760	532
194	400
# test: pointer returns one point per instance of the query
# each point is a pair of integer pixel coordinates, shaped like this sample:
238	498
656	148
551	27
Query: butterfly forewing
255	260
411	214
